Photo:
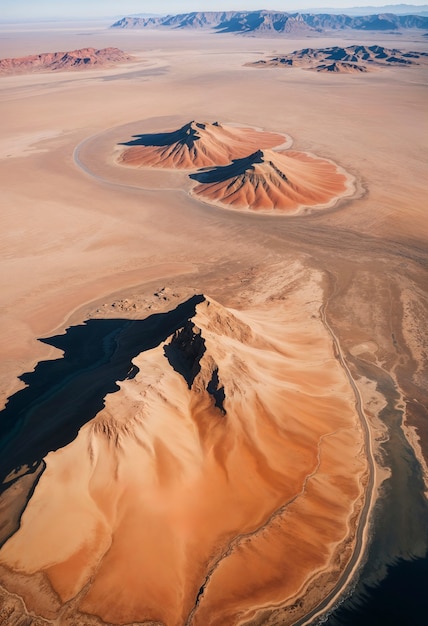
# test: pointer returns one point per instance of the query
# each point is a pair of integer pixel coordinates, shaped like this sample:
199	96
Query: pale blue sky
21	9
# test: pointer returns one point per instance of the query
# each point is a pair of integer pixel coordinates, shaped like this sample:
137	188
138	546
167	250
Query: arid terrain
285	182
60	61
196	145
208	413
274	23
242	175
349	59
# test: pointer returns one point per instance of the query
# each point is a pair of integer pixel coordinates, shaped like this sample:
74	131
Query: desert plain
236	473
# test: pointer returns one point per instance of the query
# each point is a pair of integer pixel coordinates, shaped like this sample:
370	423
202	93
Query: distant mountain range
270	22
398	9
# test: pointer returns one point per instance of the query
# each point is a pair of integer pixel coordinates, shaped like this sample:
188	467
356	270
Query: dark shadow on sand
187	134
185	351
64	394
222	173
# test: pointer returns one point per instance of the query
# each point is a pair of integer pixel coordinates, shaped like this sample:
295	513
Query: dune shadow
217	391
185	351
188	133
222	173
64	394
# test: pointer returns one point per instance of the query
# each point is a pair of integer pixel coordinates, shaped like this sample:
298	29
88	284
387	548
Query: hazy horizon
52	9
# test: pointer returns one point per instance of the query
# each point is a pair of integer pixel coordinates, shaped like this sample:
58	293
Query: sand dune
268	180
197	145
221	477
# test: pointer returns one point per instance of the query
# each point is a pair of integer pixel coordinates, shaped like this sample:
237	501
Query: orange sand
282	181
68	240
198	145
169	490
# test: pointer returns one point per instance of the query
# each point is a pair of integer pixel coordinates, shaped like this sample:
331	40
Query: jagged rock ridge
57	61
274	22
357	58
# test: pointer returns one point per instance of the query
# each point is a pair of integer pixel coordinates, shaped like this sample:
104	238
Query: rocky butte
59	61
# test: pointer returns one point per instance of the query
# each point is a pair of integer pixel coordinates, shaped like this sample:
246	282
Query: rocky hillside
274	22
57	61
350	59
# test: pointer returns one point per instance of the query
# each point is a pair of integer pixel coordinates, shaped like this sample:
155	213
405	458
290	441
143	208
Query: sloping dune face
197	145
220	479
281	181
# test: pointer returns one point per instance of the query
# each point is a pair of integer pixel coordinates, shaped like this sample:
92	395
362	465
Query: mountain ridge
57	61
355	58
274	21
397	9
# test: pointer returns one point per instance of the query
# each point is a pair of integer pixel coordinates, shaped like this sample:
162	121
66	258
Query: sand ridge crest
268	180
196	145
231	404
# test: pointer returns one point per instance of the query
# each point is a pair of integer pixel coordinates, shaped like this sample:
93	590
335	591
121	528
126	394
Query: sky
47	9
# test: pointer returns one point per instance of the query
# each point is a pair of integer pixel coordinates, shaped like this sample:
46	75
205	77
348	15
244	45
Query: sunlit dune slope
267	180
197	145
223	476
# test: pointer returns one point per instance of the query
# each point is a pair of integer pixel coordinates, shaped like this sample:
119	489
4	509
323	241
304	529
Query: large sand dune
268	180
197	145
218	479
